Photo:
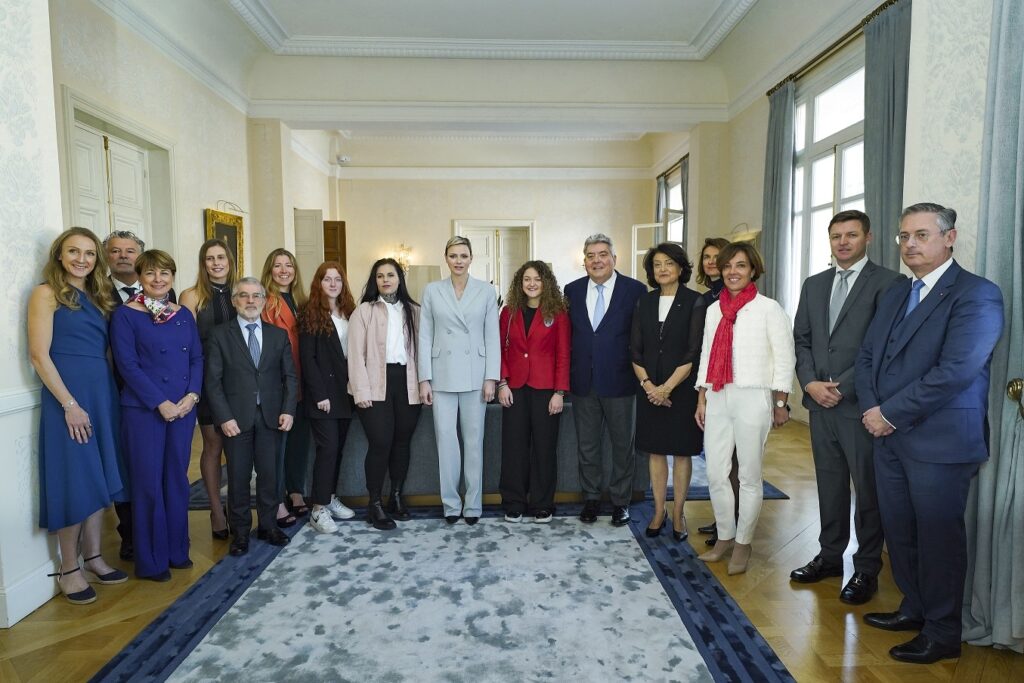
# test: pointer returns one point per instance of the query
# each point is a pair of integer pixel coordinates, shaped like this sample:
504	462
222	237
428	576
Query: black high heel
681	536
654	532
83	597
220	534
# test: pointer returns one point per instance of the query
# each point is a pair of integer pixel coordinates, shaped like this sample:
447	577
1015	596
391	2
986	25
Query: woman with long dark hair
665	346
384	383
80	474
285	296
536	336
209	300
323	344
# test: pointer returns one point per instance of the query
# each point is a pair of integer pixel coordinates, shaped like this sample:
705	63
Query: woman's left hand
556	404
488	390
659	396
186	404
79	425
780	416
168	411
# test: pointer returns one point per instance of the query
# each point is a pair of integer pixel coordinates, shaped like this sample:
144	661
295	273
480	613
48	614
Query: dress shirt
609	285
120	292
855	271
931	278
395	352
242	322
341	325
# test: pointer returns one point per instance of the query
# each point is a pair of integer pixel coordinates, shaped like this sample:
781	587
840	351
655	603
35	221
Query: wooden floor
815	635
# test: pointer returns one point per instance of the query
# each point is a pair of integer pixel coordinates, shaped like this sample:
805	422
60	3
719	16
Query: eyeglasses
256	296
921	236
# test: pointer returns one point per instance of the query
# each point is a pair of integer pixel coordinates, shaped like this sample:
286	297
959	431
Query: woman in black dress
667	330
209	300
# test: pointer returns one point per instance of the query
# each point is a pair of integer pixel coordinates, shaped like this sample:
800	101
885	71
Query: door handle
1015	391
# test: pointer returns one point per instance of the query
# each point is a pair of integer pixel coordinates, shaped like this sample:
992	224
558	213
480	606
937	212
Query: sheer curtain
886	62
777	230
994	600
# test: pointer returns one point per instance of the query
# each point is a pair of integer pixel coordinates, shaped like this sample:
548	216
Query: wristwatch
779	403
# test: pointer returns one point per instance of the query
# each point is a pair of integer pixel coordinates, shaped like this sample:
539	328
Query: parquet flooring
815	635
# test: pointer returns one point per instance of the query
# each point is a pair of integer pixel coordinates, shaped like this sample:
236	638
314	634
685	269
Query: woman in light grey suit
459	361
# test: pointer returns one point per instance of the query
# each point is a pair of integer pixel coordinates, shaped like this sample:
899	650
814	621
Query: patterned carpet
494	602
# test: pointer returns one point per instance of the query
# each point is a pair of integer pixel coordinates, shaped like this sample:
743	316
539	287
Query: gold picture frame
227	227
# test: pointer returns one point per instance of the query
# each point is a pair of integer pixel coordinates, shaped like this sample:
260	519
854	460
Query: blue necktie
915	297
599	306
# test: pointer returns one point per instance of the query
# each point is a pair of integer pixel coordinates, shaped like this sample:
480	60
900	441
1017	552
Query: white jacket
762	346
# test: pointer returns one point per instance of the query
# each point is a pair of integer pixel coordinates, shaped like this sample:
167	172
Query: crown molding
849	16
177	53
488	173
310	156
261	20
670	158
496	137
538	118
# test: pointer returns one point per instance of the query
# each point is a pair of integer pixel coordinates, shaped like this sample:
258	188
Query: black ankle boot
376	516
396	506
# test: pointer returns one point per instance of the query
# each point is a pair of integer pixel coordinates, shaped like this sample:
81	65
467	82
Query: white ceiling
494	29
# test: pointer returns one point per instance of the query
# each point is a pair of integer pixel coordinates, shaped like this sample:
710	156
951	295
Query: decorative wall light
402	254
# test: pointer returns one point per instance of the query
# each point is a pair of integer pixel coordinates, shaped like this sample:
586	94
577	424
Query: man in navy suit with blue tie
601	307
923	378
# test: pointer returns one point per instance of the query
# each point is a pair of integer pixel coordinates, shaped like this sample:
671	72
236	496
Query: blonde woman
209	300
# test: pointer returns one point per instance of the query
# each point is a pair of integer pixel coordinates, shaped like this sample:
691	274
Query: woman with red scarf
746	371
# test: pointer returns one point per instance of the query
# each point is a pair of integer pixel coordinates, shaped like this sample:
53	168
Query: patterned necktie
599	306
838	298
130	291
915	297
254	344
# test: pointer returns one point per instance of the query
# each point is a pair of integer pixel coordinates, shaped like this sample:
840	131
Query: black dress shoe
376	516
472	520
127	552
451	519
590	510
620	515
159	578
187	564
239	545
924	650
708	529
273	536
712	539
654	532
815	571
892	621
859	589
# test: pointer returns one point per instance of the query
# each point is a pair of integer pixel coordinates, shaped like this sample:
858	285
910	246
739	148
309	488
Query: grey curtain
994	597
777	210
886	61
661	200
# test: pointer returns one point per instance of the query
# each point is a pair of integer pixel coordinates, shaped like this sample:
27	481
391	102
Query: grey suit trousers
255	447
591	414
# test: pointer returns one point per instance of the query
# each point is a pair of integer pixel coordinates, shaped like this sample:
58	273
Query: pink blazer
367	354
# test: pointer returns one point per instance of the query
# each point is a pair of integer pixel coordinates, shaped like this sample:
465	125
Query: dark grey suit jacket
821	356
232	381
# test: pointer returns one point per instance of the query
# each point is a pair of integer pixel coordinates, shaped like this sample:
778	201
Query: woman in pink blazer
384	384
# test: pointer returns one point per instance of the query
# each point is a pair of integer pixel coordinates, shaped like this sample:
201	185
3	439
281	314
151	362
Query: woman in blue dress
158	353
79	473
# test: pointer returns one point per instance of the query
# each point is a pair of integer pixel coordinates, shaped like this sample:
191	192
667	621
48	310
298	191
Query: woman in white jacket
746	371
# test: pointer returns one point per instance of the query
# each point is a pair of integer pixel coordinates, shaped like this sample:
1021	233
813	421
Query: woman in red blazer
535	333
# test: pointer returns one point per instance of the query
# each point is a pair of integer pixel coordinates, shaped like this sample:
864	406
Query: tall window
673	213
829	164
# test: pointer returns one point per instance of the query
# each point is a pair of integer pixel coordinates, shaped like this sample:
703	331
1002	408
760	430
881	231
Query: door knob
1015	390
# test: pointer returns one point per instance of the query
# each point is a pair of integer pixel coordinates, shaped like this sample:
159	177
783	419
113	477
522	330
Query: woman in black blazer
668	327
323	340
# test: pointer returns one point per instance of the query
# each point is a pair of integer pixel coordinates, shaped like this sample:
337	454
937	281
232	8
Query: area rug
432	602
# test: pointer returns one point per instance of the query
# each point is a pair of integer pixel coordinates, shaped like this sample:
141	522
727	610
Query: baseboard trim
24	596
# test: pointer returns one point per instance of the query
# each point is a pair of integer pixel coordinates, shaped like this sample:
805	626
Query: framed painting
227	227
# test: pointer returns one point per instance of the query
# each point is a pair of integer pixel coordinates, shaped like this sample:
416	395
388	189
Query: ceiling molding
849	16
261	20
176	52
310	156
671	158
496	137
506	117
488	173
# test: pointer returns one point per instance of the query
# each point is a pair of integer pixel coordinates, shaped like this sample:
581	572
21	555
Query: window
828	174
674	204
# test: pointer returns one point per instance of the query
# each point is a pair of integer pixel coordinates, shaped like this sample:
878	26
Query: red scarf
720	363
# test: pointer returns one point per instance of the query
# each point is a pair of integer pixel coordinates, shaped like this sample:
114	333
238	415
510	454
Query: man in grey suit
252	388
836	307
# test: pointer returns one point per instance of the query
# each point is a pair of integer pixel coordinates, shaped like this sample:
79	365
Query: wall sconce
402	255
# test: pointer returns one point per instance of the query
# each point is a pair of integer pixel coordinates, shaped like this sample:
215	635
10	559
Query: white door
645	236
309	242
129	188
484	266
89	180
513	251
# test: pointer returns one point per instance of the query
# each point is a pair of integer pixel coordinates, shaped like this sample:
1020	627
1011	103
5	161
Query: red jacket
540	359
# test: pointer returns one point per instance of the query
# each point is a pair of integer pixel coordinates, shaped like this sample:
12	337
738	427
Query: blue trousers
157	453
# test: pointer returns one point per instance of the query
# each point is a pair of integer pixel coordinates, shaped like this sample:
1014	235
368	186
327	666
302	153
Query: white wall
29	220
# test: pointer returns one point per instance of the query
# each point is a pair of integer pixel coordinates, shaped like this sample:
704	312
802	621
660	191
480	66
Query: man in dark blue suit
601	376
922	378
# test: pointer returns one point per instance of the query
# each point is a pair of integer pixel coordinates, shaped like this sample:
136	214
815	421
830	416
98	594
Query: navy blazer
601	361
929	374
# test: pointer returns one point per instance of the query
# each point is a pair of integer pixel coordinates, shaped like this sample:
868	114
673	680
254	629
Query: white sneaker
339	510
322	521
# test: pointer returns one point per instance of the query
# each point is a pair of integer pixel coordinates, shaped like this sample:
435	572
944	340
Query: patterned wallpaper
946	109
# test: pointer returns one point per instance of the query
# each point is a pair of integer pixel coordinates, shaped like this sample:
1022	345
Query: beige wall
946	110
110	65
380	214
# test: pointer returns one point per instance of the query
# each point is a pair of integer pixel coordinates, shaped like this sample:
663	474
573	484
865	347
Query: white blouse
395	352
341	325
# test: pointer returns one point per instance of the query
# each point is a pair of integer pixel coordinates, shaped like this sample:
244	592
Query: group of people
895	385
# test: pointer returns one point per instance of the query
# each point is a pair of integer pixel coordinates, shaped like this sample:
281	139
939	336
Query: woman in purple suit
157	350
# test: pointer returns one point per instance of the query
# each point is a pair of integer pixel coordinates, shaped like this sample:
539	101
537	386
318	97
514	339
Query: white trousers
740	418
468	410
